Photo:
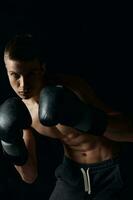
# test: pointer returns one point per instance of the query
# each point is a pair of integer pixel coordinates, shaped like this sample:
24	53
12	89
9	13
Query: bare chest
67	135
43	130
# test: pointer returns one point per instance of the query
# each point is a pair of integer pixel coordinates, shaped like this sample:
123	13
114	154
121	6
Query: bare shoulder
84	91
76	83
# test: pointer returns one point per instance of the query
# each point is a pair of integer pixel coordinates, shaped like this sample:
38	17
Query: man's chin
24	96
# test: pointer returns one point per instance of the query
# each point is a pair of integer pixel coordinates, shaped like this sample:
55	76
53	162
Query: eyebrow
14	72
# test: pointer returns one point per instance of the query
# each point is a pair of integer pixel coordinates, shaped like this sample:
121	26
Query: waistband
92	166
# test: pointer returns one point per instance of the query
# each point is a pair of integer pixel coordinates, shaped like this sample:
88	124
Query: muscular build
82	148
27	78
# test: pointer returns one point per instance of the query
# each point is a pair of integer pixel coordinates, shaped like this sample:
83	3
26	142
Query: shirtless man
90	169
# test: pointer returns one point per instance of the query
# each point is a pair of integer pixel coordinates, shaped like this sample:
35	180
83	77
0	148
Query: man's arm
28	171
18	145
59	105
120	127
84	91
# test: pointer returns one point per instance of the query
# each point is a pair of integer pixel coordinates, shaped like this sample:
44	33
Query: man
90	169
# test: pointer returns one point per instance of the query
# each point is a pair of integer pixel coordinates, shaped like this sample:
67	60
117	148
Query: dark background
93	41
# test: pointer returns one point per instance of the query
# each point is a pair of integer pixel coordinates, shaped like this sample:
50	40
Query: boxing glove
58	104
14	117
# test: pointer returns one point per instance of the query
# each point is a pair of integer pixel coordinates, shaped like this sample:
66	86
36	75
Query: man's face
25	77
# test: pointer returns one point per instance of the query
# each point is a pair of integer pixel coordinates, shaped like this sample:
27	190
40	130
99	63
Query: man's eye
14	75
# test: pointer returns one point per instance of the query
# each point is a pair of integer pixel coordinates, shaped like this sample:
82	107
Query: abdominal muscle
82	148
94	155
91	153
87	148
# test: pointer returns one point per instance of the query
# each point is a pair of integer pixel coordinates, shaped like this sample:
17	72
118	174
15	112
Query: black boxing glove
58	104
14	117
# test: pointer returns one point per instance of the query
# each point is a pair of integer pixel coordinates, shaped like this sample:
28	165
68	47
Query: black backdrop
93	41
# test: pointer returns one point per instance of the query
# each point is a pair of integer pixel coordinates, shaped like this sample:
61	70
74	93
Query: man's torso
82	148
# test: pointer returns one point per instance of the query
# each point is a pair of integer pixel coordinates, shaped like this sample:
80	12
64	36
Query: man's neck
32	100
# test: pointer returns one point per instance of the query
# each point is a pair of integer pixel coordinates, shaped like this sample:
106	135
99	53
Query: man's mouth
25	92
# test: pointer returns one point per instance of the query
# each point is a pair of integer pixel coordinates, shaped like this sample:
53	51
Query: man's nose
23	82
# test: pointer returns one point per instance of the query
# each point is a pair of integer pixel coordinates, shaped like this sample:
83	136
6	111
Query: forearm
28	171
120	127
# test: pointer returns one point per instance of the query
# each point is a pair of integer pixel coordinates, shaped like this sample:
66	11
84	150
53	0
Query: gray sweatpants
100	181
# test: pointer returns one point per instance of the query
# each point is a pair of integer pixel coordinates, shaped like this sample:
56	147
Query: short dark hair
24	47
